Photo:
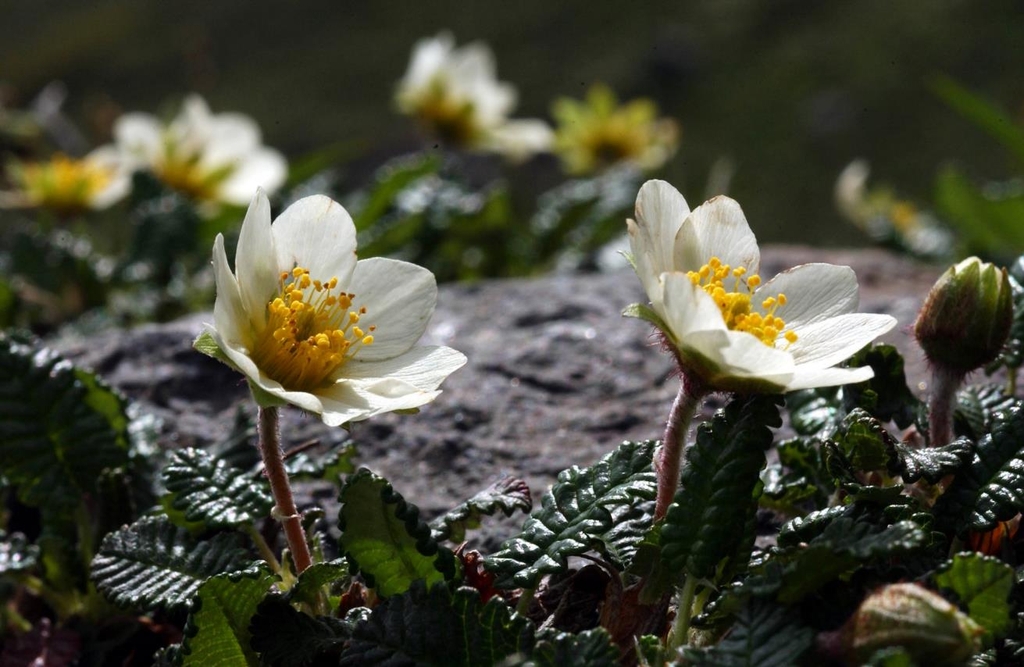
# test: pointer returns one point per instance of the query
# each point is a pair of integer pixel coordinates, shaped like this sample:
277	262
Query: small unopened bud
966	318
923	623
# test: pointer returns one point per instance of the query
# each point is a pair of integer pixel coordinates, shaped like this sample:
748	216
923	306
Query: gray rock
556	377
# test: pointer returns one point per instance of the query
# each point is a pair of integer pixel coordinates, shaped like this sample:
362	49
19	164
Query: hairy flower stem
941	405
273	465
667	459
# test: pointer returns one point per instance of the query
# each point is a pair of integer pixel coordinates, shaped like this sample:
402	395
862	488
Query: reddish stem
668	457
273	465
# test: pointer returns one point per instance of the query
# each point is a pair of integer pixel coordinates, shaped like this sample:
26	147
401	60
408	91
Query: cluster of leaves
842	542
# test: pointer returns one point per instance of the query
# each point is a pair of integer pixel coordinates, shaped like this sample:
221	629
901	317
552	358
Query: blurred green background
790	90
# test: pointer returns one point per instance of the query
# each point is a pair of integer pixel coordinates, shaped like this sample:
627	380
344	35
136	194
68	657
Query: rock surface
555	377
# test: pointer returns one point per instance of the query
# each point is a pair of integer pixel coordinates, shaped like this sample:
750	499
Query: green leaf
647	314
16	554
864	442
208	490
575	515
764	635
814	412
286	637
154	564
931	463
313	579
991	488
590	648
988	221
983	584
385	540
217	629
329	466
506	495
978	407
390	180
885	396
438	627
720	486
60	428
985	115
1012	355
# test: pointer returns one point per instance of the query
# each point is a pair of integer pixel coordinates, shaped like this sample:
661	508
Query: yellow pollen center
64	183
736	306
312	330
181	168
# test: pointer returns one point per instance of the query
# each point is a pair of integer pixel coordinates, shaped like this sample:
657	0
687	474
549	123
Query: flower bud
923	623
966	318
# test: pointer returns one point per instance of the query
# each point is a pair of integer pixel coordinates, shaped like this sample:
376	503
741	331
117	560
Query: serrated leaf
286	637
217	629
328	466
864	441
384	539
719	487
154	564
314	578
590	648
60	428
806	528
991	488
891	398
978	407
765	635
438	627
575	515
208	490
16	554
506	495
814	411
930	463
983	584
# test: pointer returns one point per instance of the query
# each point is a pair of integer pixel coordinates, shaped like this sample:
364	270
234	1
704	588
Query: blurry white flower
66	185
454	94
211	157
727	329
309	325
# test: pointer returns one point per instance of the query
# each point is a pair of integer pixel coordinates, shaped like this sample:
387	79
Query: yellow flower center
64	184
447	117
181	170
311	332
735	305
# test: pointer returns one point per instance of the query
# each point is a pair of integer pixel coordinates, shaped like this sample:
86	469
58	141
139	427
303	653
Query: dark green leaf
931	463
438	627
985	115
329	466
983	584
886	396
814	411
764	635
864	442
384	538
987	221
506	495
154	564
806	528
978	407
217	629
286	637
390	180
991	488
1012	355
313	579
720	486
16	554
210	491
60	428
575	515
590	648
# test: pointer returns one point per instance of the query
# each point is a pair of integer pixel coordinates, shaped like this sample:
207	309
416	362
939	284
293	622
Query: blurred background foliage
772	101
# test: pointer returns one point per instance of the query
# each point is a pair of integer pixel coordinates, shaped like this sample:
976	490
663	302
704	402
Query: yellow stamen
310	333
736	305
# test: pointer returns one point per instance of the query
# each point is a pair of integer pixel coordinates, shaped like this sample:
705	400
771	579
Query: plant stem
940	405
273	465
681	627
667	459
263	547
525	598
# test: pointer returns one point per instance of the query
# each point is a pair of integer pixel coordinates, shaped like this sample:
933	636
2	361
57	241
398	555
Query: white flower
456	96
211	157
67	185
730	330
309	325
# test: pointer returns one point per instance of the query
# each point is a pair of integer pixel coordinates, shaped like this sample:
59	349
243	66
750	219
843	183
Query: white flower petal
814	292
660	212
831	341
810	378
348	401
687	308
716	228
519	139
399	297
263	168
255	260
422	367
138	134
317	234
229	315
232	136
